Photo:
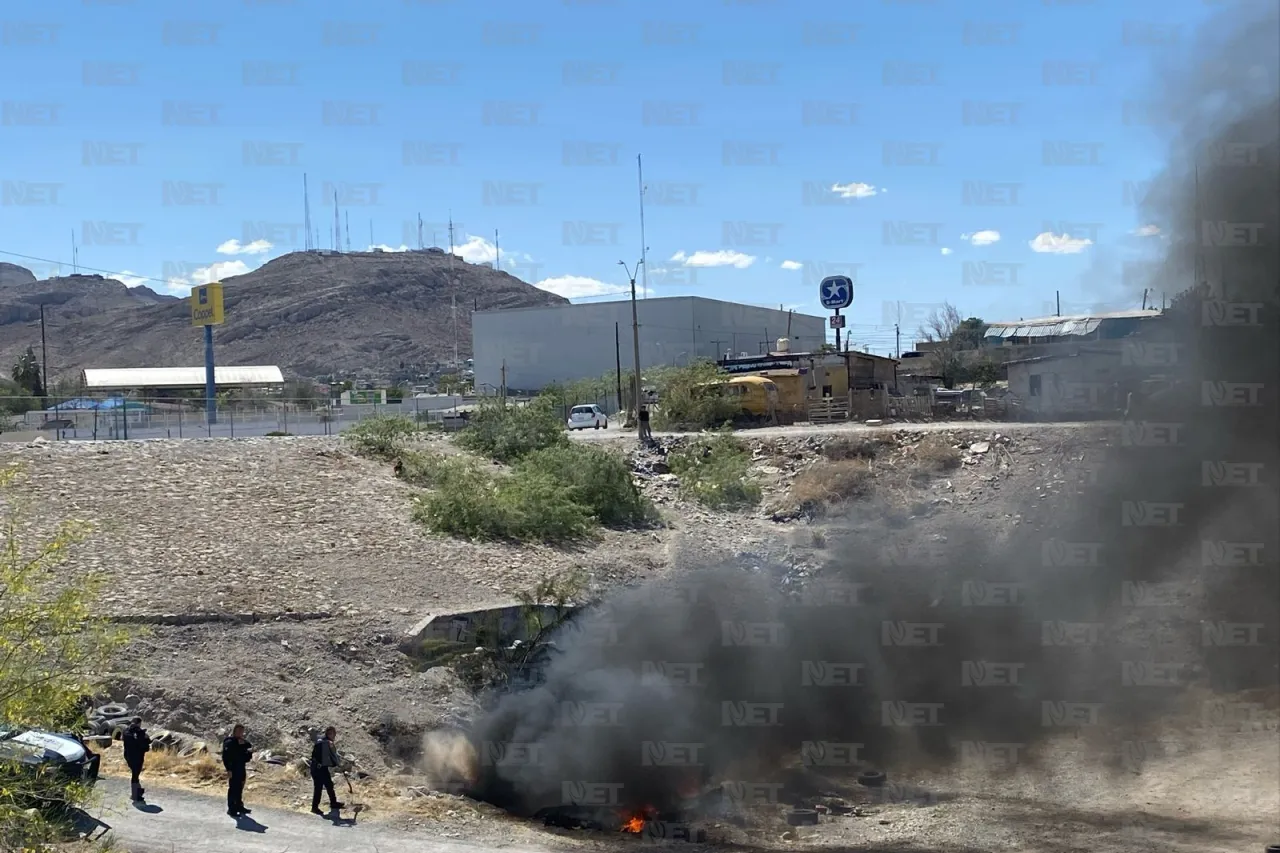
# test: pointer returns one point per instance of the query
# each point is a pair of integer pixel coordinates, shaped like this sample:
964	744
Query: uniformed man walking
136	743
324	760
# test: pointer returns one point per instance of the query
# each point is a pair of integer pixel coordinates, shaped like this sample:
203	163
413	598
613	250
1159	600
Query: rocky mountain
310	313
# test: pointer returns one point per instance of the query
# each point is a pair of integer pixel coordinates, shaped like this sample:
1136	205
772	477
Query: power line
90	269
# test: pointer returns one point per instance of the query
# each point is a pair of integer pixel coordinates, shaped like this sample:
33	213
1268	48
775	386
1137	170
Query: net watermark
750	714
911	634
899	714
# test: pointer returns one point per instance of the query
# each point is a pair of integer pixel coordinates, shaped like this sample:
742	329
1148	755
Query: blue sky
892	139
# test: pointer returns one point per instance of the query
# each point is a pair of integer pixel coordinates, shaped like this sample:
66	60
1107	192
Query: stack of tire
110	719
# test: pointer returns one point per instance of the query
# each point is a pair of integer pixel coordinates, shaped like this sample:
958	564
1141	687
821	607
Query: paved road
613	432
190	822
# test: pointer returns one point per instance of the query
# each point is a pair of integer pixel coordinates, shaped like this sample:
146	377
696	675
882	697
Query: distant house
1087	383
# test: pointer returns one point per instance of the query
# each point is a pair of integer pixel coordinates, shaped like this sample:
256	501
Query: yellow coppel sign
206	305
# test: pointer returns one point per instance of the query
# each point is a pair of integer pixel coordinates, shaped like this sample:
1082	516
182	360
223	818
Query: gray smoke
1083	614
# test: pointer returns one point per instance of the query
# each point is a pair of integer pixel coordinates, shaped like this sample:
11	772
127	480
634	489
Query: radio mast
306	214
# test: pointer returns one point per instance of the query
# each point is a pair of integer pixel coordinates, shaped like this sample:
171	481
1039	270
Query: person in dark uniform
645	435
324	760
236	752
137	743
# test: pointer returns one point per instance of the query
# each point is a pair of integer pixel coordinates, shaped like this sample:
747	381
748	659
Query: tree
450	383
951	337
26	372
52	648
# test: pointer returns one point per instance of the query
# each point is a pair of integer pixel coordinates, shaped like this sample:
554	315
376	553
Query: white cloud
1048	243
792	265
855	190
982	238
945	250
383	247
217	271
129	278
235	247
580	286
719	258
1147	231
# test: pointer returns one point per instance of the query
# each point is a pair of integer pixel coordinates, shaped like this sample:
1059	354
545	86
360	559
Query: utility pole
497	252
635	335
617	357
453	299
44	354
1057	302
503	391
644	250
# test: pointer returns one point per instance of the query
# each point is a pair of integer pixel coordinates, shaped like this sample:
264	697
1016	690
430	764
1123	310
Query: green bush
715	471
418	468
596	478
276	433
381	437
508	433
529	505
684	401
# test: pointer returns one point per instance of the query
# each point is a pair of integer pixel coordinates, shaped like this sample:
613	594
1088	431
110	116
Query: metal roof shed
122	378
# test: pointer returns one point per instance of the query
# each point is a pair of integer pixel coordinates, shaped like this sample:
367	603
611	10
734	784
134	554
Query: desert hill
310	313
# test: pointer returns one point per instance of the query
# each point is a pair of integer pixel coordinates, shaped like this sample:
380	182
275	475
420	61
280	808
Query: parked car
65	752
584	417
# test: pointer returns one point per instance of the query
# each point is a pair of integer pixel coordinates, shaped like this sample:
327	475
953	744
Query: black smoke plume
1091	613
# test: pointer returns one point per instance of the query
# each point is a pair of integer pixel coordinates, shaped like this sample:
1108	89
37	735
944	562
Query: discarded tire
107	712
1273	848
802	817
871	778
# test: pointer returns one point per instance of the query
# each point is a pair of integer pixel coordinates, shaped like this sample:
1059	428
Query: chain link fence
109	419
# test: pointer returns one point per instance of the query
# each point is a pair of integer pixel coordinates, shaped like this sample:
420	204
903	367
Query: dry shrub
855	447
199	768
831	483
935	455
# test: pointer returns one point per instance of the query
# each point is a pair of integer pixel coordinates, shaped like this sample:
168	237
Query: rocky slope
312	314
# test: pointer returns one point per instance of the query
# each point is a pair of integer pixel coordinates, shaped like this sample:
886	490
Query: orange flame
634	824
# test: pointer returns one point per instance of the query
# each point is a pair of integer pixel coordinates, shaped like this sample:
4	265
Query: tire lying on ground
109	711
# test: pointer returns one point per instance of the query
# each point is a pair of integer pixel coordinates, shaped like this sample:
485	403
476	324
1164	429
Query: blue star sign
836	292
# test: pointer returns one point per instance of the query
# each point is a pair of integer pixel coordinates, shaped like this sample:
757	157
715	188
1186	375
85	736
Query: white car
587	417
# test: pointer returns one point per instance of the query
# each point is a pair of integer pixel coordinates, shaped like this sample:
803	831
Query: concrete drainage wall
466	628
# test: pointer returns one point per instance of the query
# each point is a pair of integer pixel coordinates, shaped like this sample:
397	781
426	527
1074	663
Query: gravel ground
297	524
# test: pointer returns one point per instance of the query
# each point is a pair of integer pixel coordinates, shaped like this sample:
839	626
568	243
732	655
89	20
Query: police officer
236	752
137	743
324	760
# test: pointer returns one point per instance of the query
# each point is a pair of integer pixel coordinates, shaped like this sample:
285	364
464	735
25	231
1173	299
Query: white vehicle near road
587	417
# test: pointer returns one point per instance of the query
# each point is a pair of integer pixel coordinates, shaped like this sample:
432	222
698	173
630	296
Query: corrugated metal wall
565	343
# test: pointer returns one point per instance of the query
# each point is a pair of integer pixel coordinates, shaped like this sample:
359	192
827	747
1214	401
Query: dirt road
176	820
799	431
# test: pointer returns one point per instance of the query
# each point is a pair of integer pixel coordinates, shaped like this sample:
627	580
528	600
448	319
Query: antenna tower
419	232
306	213
497	252
75	254
337	225
346	215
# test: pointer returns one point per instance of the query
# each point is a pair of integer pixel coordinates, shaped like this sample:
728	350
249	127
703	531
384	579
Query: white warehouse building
562	343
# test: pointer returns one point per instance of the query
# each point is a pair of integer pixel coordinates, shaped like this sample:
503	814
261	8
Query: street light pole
635	336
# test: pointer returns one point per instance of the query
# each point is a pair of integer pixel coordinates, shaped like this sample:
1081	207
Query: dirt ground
299	525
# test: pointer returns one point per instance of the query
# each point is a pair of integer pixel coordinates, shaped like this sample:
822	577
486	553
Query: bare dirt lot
314	551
